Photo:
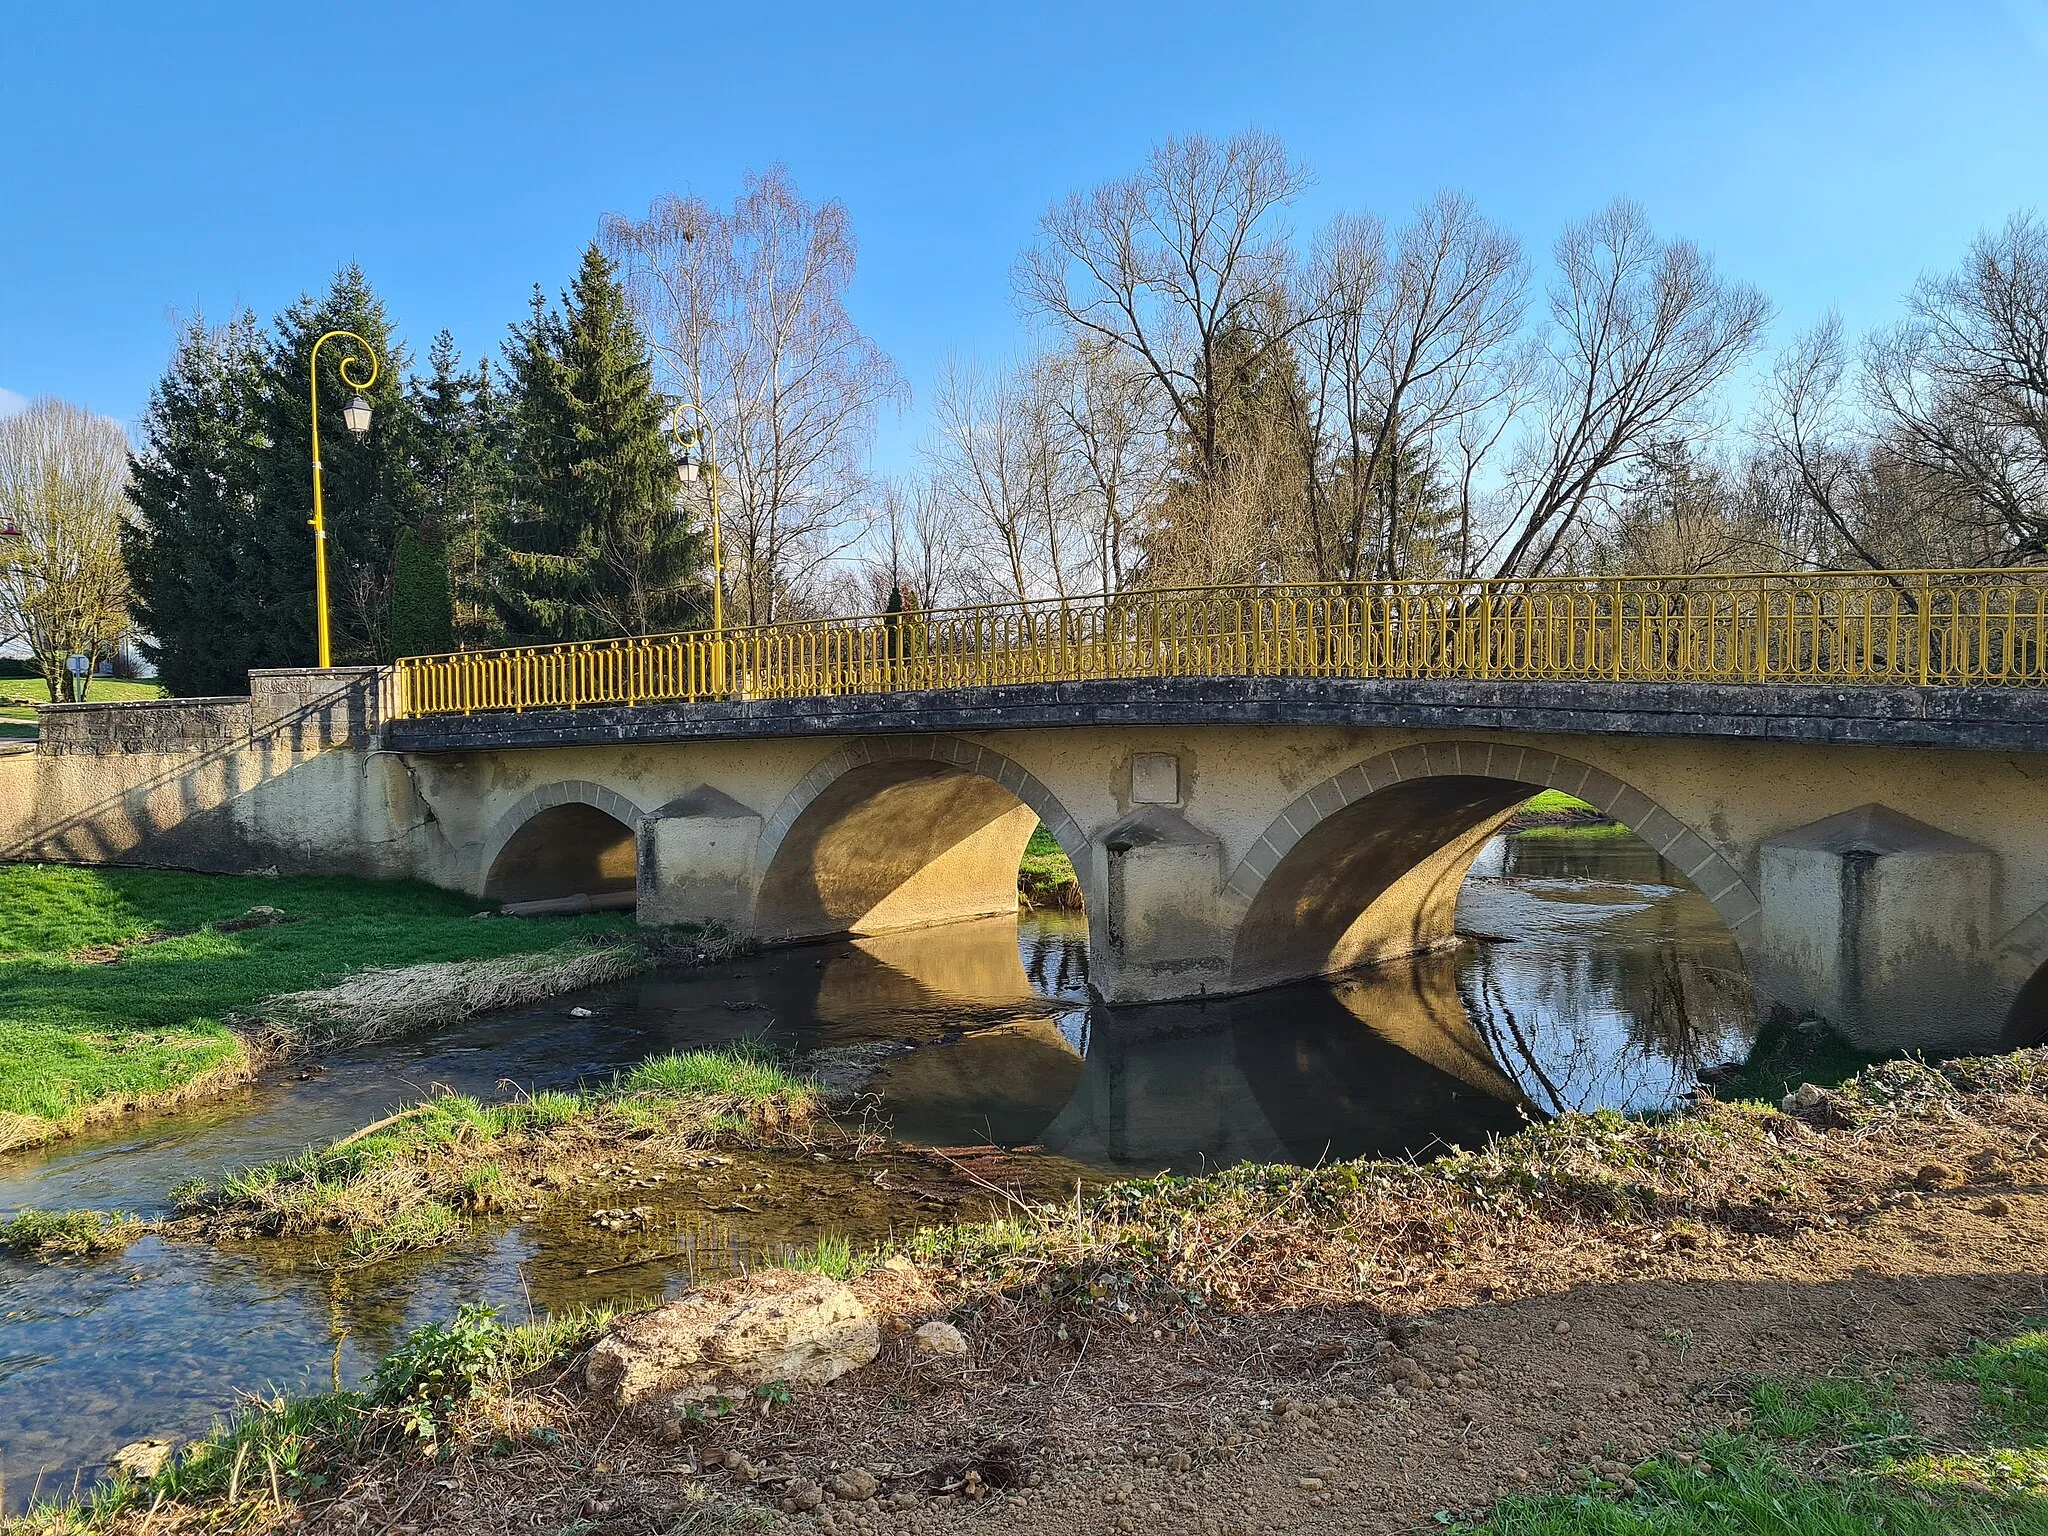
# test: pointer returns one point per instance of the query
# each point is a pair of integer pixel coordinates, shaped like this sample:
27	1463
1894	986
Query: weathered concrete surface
1226	835
1882	920
286	778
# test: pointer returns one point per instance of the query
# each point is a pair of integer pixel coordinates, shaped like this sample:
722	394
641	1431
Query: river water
1590	975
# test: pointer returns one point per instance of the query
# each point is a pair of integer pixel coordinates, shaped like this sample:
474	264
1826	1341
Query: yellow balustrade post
1926	625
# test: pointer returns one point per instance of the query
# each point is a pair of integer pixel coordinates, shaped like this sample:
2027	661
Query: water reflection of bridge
1440	1048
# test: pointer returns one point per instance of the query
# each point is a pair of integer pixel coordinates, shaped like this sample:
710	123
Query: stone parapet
302	709
314	708
157	726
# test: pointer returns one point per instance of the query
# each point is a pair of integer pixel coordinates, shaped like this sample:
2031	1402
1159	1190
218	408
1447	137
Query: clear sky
160	159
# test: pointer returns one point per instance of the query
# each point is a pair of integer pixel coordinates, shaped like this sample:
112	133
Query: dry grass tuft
383	1004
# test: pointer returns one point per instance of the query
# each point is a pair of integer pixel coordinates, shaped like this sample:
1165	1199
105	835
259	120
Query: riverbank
1554	811
1045	877
1597	1309
135	990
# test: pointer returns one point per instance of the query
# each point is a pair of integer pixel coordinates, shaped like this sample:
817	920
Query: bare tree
1960	388
1408	353
1642	331
746	310
1111	444
1847	468
1177	267
63	587
916	548
995	457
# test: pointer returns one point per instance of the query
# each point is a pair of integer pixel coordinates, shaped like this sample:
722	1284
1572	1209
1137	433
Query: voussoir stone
726	1339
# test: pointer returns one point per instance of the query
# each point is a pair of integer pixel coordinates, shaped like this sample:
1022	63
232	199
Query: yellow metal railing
1930	628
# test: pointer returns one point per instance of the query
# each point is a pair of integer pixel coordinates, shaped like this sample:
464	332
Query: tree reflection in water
1597	976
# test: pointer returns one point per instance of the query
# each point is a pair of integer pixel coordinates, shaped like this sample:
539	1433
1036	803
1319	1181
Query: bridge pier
1881	925
700	861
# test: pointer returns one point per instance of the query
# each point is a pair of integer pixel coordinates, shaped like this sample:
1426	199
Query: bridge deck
1984	718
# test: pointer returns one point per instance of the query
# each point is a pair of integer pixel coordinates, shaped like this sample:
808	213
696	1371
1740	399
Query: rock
806	1495
940	1339
725	1340
1816	1106
1995	1206
1311	1485
856	1486
1934	1176
143	1459
582	1013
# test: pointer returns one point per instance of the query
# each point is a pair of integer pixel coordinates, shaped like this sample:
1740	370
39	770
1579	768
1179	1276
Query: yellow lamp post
357	415
700	446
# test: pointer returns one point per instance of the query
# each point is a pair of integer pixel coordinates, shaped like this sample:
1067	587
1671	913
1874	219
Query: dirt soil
1586	1350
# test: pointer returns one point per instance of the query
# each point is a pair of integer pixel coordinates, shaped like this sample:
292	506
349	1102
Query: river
1590	975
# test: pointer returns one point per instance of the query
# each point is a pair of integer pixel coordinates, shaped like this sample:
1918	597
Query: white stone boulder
727	1339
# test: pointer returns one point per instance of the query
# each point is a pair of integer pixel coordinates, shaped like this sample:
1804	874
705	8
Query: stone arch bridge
1879	853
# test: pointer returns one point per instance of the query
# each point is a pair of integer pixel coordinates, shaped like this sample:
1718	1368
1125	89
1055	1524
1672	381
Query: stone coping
1990	719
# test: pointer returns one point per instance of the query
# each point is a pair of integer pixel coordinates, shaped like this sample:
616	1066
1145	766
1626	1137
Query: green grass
1553	801
101	690
1570	817
1577	830
1045	877
41	1234
408	1185
74	1033
1831	1457
1740	1487
2011	1379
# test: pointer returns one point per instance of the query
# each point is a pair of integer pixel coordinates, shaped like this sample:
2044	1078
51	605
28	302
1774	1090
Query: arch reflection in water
1593	976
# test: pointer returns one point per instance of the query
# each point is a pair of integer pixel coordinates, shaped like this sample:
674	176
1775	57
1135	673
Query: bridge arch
569	838
1367	864
895	832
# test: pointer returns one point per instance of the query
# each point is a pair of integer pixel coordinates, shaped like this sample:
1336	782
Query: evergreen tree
371	490
197	581
464	482
422	606
597	542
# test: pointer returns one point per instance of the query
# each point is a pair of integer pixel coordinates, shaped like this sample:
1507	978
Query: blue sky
156	160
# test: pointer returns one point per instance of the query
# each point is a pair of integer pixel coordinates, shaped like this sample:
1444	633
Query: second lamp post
699	448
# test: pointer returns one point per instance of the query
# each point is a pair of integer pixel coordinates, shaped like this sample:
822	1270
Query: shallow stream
1591	975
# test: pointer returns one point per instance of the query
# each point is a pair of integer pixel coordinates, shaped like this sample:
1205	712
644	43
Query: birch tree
746	308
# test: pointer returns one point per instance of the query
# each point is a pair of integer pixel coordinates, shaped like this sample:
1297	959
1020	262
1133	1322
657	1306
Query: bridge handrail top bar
1377	586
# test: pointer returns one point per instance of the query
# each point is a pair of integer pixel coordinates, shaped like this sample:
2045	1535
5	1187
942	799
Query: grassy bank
18	693
416	1179
132	988
1555	813
1045	878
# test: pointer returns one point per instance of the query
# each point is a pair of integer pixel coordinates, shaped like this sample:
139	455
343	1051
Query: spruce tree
371	490
597	543
462	471
199	586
